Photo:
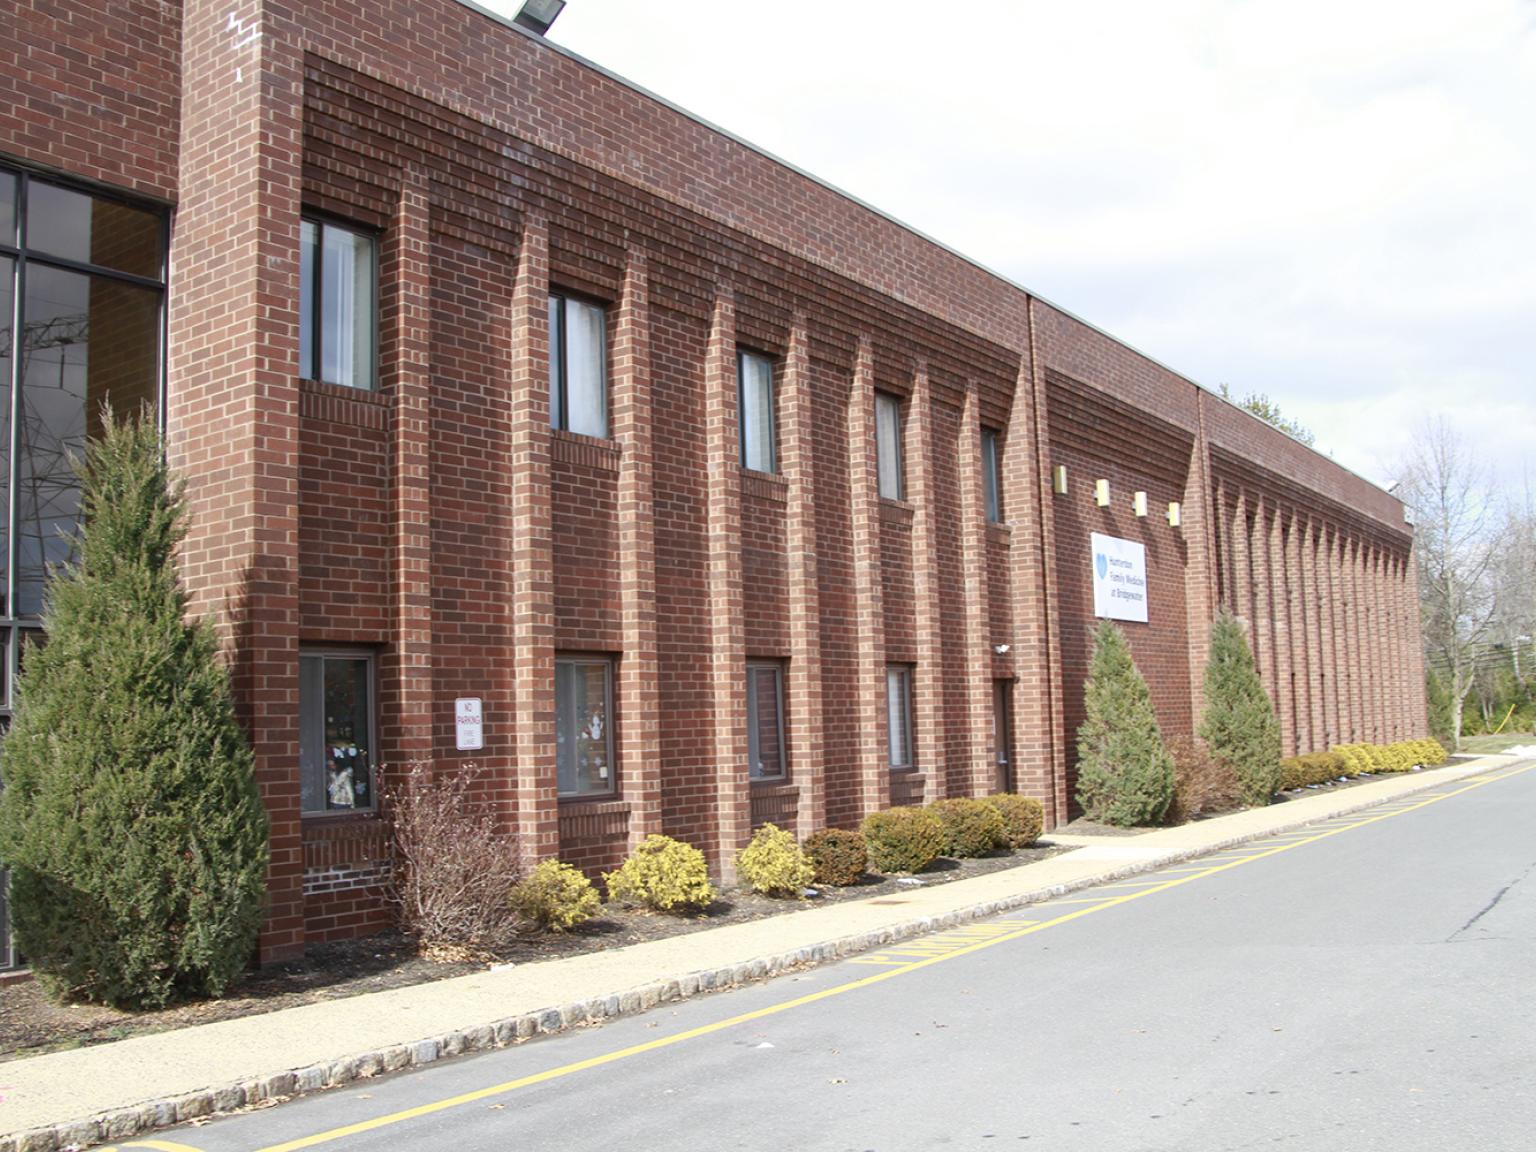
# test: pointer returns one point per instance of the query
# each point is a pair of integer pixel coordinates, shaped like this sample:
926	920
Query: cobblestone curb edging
128	1122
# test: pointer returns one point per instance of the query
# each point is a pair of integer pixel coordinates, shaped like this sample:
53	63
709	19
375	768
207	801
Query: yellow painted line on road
990	940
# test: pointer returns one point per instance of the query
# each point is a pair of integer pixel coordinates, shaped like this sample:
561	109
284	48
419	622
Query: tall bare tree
1514	570
1457	541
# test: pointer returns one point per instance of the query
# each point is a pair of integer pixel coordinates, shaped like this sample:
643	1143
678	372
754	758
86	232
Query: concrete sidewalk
113	1091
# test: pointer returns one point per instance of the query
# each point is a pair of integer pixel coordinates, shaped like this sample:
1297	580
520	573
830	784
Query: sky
1332	203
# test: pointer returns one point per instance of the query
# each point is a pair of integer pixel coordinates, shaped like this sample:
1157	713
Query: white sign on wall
1119	579
469	727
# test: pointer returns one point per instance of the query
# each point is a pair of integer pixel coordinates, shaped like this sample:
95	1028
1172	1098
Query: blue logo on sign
1101	565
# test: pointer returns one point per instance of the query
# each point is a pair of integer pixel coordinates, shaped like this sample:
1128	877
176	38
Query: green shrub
1124	774
1433	753
1312	768
1442	708
662	874
971	827
130	817
773	864
839	857
1354	757
1201	783
903	839
556	896
1023	817
1239	725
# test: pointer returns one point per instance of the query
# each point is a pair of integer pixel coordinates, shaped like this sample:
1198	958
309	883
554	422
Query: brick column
1280	649
1327	604
1297	638
1311	599
1197	526
982	772
928	686
869	619
1263	631
639	687
232	414
532	559
1392	637
1413	640
728	658
1353	649
405	698
803	718
1038	764
1375	653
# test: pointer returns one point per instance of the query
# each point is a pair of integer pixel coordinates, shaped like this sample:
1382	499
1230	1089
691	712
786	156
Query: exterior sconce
1059	480
1101	493
1139	503
1175	515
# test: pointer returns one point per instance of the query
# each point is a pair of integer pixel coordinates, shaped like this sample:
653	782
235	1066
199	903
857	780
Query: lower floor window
336	731
765	721
898	715
584	725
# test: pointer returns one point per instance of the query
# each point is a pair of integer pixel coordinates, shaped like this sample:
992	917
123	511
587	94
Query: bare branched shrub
1201	784
455	866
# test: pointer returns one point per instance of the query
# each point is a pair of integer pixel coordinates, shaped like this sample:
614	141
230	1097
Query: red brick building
727	498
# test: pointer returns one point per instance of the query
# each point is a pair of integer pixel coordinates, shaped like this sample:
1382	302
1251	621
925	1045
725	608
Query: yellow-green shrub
556	896
1355	758
903	839
1023	817
773	864
838	856
971	827
662	873
1433	751
1312	768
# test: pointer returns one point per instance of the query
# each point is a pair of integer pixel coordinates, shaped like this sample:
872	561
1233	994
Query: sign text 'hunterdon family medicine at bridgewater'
1119	579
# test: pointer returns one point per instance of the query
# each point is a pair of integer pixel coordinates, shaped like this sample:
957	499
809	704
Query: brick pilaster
1263	631
233	399
1349	578
639	687
531	555
864	500
1242	568
928	688
1312	604
1280	610
1198	528
1413	641
1333	647
1300	634
980	777
728	659
803	718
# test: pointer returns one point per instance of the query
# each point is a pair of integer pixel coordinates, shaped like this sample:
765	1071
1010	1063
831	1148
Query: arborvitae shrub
838	856
773	864
1239	725
1201	783
1442	709
557	896
662	874
903	839
1124	774
971	827
1023	817
130	818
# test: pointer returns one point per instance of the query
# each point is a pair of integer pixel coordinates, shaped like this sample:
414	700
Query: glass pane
7	315
767	718
888	444
64	386
346	308
309	241
348	777
896	716
757	413
312	758
77	226
7	208
582	737
556	336
585	380
989	474
1000	720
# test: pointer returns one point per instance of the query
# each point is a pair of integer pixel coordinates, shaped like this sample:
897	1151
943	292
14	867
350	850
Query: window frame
991	475
742	356
894	404
1002	731
371	657
906	673
560	392
610	681
753	707
314	370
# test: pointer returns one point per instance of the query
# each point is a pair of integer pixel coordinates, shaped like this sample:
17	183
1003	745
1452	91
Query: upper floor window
888	445
338	278
898	716
336	693
584	725
991	488
578	370
754	381
765	720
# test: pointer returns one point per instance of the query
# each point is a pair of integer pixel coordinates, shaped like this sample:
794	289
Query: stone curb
127	1122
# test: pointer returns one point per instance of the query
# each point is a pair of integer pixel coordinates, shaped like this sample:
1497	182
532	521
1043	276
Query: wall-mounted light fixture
1139	503
538	15
1059	480
1000	649
1101	493
1175	515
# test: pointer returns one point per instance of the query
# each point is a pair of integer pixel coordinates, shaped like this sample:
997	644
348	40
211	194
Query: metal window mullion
85	268
316	365
741	407
562	389
778	700
13	507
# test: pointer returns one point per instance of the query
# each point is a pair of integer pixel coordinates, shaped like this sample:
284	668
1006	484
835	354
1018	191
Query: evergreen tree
1239	725
130	818
1124	773
1442	719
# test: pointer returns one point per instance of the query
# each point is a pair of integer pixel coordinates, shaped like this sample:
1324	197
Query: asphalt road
1366	984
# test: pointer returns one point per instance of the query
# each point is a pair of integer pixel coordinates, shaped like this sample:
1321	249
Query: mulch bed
30	1024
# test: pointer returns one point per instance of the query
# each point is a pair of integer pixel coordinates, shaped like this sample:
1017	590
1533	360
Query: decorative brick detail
978	772
869	615
928	719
